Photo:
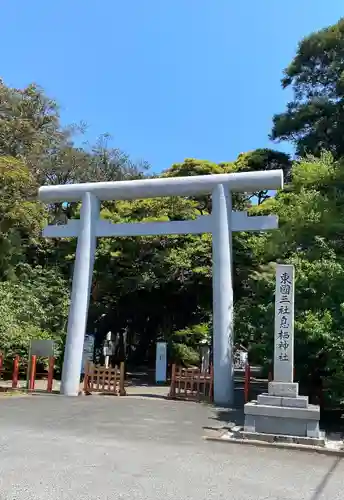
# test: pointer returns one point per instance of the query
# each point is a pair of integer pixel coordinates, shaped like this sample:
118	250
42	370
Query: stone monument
282	411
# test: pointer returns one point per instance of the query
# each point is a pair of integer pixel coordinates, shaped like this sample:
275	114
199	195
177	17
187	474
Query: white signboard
240	359
205	358
87	354
44	348
161	362
284	324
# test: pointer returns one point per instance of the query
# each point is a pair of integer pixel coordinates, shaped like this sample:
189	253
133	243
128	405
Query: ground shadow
143	379
143	383
229	416
146	395
226	418
326	479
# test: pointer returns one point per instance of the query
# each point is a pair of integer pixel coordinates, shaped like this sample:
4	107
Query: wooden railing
98	378
191	384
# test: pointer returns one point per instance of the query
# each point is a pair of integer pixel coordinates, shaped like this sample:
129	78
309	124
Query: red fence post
86	377
32	373
247	382
15	372
211	388
51	374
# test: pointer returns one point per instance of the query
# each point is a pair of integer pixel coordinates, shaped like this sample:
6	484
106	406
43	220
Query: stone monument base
239	433
282	411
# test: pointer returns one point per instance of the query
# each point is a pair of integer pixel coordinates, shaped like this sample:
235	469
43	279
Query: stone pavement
86	448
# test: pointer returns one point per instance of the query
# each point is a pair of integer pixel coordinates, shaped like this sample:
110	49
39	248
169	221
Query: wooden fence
30	376
98	378
191	384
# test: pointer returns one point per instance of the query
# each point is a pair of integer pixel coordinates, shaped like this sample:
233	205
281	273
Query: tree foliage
314	119
310	217
33	306
263	159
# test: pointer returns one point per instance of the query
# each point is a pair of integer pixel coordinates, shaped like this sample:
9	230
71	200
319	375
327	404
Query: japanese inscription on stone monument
284	324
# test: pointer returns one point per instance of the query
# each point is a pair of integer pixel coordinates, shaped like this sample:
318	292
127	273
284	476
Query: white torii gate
220	224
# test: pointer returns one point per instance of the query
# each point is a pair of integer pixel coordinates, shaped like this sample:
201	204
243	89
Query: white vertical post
228	196
161	362
81	290
222	299
284	324
229	206
205	358
107	349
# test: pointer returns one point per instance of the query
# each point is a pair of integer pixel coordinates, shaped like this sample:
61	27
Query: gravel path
140	448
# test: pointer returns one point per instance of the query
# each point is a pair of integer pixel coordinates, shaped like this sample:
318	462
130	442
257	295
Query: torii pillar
222	297
81	291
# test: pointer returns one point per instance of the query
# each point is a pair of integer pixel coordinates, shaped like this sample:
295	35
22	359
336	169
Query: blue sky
168	79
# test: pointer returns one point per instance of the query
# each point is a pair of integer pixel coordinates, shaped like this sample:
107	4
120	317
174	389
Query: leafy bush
34	307
185	346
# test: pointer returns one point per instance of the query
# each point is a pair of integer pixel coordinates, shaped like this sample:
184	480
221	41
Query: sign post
161	362
107	349
282	411
284	324
87	353
38	347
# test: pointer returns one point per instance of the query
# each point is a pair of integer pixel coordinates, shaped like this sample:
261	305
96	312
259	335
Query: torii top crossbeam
163	186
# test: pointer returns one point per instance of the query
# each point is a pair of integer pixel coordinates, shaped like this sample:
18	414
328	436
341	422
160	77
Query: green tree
310	237
191	167
21	217
30	130
263	159
28	119
144	283
314	119
33	306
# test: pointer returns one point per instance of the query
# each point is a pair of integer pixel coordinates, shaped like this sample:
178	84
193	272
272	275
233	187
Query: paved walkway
150	391
137	448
